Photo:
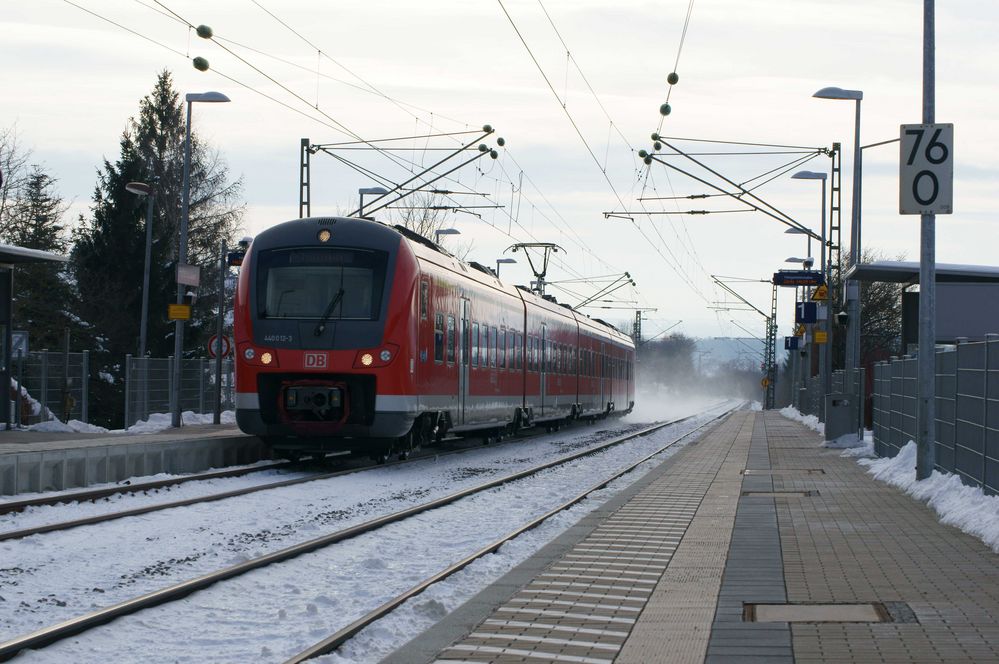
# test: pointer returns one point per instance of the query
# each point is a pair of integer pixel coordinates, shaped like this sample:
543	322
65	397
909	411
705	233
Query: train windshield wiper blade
321	326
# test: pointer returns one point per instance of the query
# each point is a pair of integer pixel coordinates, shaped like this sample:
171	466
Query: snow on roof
908	272
10	255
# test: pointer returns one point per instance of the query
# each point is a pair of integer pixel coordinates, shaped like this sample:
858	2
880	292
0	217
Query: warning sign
765	383
821	294
799	331
179	312
820	337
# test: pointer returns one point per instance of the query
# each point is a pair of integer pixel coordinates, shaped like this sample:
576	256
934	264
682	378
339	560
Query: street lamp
852	290
445	231
825	354
178	346
373	191
503	261
143	189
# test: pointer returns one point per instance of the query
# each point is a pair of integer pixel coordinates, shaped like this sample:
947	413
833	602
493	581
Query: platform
754	544
33	461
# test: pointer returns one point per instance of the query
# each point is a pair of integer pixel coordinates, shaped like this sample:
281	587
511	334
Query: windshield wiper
321	326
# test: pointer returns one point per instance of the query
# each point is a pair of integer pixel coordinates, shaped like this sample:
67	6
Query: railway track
54	633
96	494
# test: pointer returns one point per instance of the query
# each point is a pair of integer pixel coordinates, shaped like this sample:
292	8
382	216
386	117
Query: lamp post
444	231
852	288
825	352
372	191
143	189
503	261
178	346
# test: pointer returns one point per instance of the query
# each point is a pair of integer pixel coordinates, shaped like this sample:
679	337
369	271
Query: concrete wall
55	470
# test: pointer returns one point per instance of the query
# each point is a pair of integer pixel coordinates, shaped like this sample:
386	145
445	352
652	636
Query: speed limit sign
926	169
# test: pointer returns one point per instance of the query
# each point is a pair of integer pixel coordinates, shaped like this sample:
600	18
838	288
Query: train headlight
367	359
266	358
385	355
249	354
324	235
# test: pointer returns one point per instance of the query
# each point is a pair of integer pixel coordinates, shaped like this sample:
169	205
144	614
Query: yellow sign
820	337
800	330
765	383
179	312
821	294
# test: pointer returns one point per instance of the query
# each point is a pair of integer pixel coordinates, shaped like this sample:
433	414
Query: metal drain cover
816	613
780	494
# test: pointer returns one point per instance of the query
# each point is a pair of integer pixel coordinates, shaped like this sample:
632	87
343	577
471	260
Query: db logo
316	360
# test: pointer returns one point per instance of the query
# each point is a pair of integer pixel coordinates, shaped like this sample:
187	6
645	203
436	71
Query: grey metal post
44	397
178	345
65	375
853	287
85	388
926	415
144	320
128	393
20	386
217	416
201	385
171	377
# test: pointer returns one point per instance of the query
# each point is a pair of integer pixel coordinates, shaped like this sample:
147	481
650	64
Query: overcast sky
747	71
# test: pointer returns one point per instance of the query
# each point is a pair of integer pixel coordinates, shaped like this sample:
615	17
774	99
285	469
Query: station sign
790	343
179	312
926	169
806	312
188	275
798	278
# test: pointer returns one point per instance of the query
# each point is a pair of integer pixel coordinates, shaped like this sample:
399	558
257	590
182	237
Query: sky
573	106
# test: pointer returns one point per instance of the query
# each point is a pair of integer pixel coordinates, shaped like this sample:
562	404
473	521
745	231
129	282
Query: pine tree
108	257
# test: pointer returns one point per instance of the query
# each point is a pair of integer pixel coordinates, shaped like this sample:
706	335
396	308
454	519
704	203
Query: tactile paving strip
583	606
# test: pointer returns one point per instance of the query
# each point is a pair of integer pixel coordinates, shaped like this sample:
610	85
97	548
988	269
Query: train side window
518	351
439	338
475	344
494	353
424	299
485	346
451	340
502	358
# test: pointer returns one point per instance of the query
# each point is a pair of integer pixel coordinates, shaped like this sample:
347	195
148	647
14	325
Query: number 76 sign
926	169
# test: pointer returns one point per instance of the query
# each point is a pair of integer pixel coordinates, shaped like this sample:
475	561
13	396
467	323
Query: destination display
798	278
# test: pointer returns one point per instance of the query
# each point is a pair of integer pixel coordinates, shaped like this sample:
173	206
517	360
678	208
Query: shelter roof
907	272
11	255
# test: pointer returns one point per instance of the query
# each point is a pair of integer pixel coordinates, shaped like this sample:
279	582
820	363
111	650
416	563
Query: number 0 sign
926	173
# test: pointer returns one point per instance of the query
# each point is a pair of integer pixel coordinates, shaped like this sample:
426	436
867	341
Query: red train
352	334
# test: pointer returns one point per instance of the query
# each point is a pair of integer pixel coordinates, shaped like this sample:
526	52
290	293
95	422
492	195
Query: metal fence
967	410
149	386
58	381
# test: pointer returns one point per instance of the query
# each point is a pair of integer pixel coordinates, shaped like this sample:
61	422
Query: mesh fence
149	387
54	386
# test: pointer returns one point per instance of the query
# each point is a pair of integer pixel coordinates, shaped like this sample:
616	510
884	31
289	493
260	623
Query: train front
324	336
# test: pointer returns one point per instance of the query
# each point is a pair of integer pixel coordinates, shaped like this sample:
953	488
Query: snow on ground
958	505
810	421
274	612
156	423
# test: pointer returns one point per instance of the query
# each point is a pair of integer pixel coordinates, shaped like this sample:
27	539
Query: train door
602	368
543	369
464	352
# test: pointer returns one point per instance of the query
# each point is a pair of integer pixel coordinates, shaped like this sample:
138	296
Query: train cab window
475	344
439	338
424	299
334	283
451	339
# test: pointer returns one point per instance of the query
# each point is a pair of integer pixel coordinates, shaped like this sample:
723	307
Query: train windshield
322	284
